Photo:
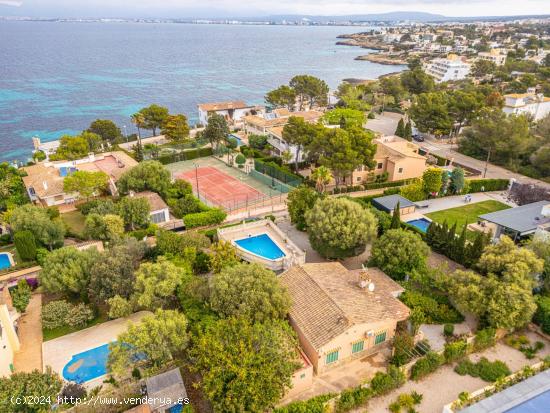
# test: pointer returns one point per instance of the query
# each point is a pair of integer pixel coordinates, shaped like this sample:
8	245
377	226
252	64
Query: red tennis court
219	188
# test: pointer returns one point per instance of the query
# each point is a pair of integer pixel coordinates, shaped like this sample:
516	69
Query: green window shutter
380	338
332	357
357	347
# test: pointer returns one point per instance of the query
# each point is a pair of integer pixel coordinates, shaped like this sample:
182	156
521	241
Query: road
493	171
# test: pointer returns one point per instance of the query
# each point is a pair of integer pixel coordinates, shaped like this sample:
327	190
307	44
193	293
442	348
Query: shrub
436	310
383	383
240	160
26	245
79	315
201	265
353	398
426	365
41	254
314	405
484	369
484	338
202	219
21	295
448	330
5	239
55	313
72	391
542	316
119	307
488	185
455	351
403	346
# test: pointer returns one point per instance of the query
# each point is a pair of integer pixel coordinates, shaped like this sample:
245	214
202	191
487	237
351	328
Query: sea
57	77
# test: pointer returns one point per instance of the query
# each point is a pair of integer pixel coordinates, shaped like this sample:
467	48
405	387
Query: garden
467	214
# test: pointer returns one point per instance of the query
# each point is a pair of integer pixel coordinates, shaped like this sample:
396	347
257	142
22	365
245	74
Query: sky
243	8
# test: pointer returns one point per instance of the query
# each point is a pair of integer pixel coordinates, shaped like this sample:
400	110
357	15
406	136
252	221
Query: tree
21	295
257	141
71	148
36	220
139	120
299	201
431	180
113	274
216	130
148	175
119	307
245	367
86	183
156	283
25	244
482	68
223	255
345	117
104	228
541	160
299	133
20	391
171	243
12	188
339	228
55	313
154	341
392	86
322	177
175	127
399	252
309	89
457	180
250	291
68	270
430	112
413	192
417	81
106	129
400	130
154	117
134	212
396	217
408	131
283	96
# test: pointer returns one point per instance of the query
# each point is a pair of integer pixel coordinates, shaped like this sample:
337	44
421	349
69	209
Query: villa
497	56
44	181
537	106
233	112
264	243
262	124
9	341
341	315
521	221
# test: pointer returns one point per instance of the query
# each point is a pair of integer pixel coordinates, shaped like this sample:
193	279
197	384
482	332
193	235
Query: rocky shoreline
368	41
382	59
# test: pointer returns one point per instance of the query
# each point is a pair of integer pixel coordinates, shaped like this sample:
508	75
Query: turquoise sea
55	78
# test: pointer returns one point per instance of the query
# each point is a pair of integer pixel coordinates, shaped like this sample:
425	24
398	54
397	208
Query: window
358	179
332	357
380	338
400	171
157	218
303	375
357	347
379	166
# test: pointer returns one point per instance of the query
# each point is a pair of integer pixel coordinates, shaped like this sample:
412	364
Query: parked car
418	138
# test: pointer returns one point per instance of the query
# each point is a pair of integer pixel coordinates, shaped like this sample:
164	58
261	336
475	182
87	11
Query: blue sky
219	8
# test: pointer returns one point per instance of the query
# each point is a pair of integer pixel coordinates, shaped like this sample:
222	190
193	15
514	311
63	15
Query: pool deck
58	352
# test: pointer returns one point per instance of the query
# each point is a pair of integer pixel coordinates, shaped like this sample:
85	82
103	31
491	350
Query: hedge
488	185
313	405
185	155
484	369
426	365
202	219
542	316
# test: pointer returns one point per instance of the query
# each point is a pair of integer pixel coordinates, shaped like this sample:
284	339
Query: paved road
493	171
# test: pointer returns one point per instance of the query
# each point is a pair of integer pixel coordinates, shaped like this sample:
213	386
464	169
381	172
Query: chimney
365	281
45	185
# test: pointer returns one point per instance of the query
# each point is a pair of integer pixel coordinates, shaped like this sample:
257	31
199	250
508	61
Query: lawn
63	330
75	221
467	214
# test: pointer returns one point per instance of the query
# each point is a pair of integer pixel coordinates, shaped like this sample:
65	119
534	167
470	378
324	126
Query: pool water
87	365
537	404
422	224
261	245
4	261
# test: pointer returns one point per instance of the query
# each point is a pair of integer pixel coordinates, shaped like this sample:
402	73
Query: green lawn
467	214
61	331
75	221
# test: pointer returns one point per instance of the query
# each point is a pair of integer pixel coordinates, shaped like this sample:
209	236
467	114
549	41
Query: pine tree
408	132
474	250
450	241
460	246
396	217
400	131
138	151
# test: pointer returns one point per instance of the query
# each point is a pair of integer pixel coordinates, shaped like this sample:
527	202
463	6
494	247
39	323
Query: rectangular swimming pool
4	261
261	245
422	224
537	404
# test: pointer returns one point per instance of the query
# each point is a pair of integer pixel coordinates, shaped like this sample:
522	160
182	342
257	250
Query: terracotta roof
155	201
45	180
212	107
392	146
327	300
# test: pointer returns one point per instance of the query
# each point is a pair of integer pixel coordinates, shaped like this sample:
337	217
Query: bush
426	365
353	398
202	219
201	265
542	315
448	330
484	339
484	369
79	315
26	245
21	295
436	309
119	307
5	239
383	383
455	351
41	254
314	405
185	205
403	346
55	313
72	391
475	185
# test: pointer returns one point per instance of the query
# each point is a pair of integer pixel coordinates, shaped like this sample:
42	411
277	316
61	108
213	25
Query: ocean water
55	78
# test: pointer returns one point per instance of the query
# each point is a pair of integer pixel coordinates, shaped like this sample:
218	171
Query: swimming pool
87	365
535	405
5	260
422	224
261	245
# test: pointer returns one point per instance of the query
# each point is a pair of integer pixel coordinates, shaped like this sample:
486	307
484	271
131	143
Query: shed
166	391
388	204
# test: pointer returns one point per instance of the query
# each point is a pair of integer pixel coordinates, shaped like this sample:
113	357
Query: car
418	138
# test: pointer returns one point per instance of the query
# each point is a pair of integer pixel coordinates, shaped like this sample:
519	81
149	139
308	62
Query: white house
450	68
159	213
495	55
535	105
9	341
233	112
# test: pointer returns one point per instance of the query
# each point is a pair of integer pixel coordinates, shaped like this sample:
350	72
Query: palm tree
139	120
322	177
